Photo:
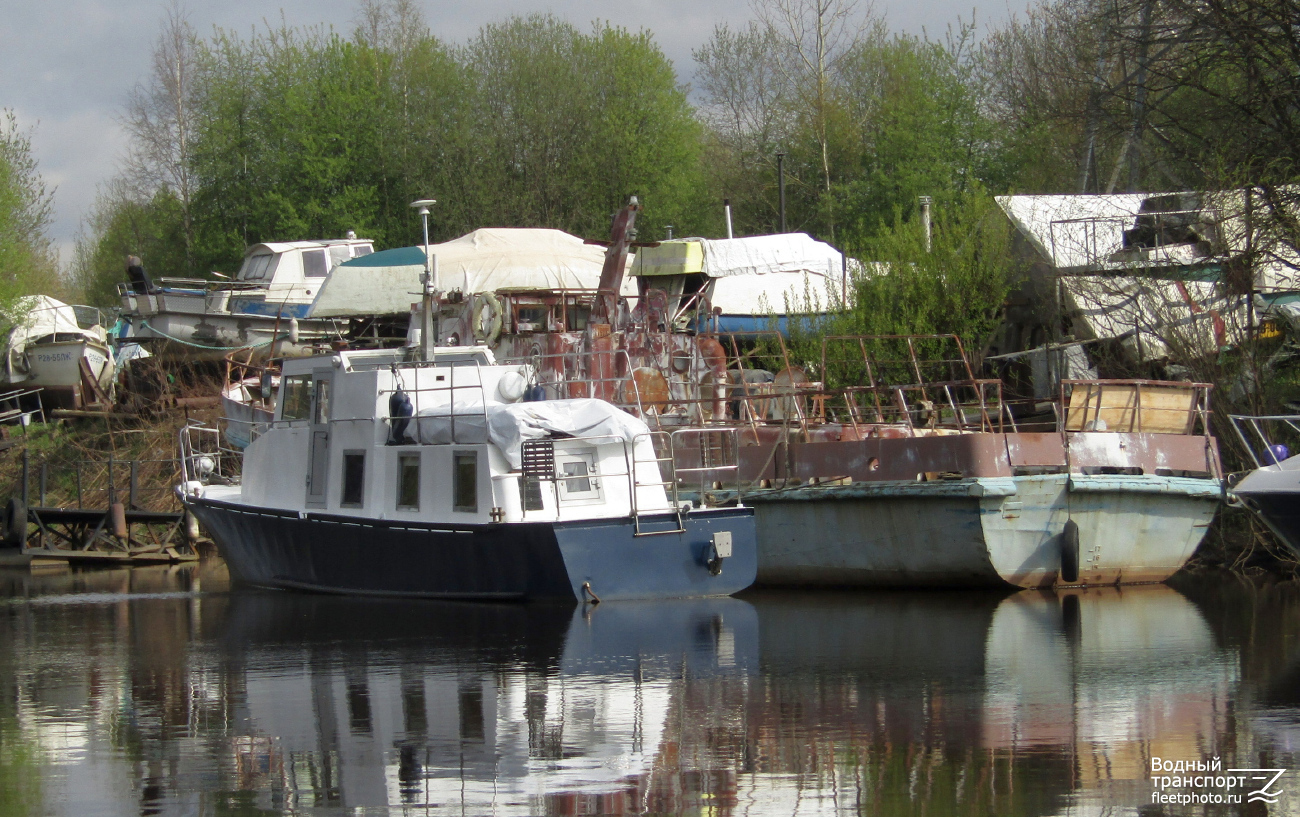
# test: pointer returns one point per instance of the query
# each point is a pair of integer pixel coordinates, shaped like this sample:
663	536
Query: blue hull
536	560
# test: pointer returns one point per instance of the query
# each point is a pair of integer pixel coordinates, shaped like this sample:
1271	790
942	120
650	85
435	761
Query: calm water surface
161	691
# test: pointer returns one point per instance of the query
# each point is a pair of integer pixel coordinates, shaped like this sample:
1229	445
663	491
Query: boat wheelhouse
385	475
267	301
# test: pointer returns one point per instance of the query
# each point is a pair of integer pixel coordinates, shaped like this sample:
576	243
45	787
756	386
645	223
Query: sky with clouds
66	66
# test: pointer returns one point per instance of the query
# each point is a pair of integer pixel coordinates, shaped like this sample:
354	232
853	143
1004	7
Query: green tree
120	225
569	124
27	259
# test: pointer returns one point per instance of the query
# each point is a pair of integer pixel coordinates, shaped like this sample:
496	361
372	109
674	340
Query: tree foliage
868	120
291	133
27	258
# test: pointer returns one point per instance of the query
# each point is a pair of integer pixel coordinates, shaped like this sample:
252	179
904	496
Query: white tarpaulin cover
47	316
756	275
508	425
487	260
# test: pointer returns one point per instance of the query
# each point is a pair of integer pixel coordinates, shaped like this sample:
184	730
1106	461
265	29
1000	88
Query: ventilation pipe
726	208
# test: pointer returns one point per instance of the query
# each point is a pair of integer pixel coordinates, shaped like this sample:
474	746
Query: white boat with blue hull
431	478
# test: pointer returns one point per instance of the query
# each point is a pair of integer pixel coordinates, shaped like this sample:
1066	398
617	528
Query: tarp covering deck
508	425
756	275
487	260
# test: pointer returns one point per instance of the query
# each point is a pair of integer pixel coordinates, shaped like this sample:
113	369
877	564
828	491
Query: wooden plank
1131	407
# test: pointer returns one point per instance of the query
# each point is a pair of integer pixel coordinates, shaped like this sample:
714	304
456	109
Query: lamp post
427	338
780	186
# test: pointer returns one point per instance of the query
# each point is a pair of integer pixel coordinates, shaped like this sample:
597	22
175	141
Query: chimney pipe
726	208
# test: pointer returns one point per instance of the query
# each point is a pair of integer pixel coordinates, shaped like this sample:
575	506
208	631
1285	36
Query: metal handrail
1292	421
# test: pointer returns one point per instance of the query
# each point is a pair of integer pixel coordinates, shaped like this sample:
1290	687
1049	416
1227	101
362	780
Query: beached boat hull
982	532
349	554
211	336
56	369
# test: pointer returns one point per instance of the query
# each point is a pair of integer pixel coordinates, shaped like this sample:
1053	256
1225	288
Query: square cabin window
576	475
354	478
314	264
295	397
465	482
408	482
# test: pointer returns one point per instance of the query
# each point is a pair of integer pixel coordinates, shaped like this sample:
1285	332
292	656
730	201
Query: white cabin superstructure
333	425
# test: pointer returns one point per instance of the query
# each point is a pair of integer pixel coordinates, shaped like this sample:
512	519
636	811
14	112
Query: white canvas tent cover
758	275
48	316
508	425
489	259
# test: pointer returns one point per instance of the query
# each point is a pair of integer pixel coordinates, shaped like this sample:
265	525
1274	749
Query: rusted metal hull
981	532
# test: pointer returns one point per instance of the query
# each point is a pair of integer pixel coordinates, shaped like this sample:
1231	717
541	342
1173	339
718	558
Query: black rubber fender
15	523
1070	552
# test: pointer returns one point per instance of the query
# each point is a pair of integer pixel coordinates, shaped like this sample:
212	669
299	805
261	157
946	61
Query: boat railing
1261	436
718	450
82	483
1133	406
204	458
616	383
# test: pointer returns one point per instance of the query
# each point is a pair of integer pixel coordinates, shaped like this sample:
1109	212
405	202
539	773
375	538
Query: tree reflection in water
158	691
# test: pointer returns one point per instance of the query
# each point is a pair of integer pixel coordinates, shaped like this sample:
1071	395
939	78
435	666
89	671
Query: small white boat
264	308
52	350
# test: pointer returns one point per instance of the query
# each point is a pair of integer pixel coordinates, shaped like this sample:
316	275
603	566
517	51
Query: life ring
1070	552
486	327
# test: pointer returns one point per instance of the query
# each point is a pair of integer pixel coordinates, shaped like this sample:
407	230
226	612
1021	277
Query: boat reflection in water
490	709
150	697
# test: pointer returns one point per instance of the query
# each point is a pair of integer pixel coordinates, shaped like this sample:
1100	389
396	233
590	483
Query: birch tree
161	119
816	34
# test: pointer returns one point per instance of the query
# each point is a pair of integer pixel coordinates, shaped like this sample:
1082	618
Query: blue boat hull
536	560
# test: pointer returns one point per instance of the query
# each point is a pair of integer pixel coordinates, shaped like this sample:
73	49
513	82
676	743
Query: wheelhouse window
314	264
354	478
259	267
296	397
339	254
321	414
408	482
465	482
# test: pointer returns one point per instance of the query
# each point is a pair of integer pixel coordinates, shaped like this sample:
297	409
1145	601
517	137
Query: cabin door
318	459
